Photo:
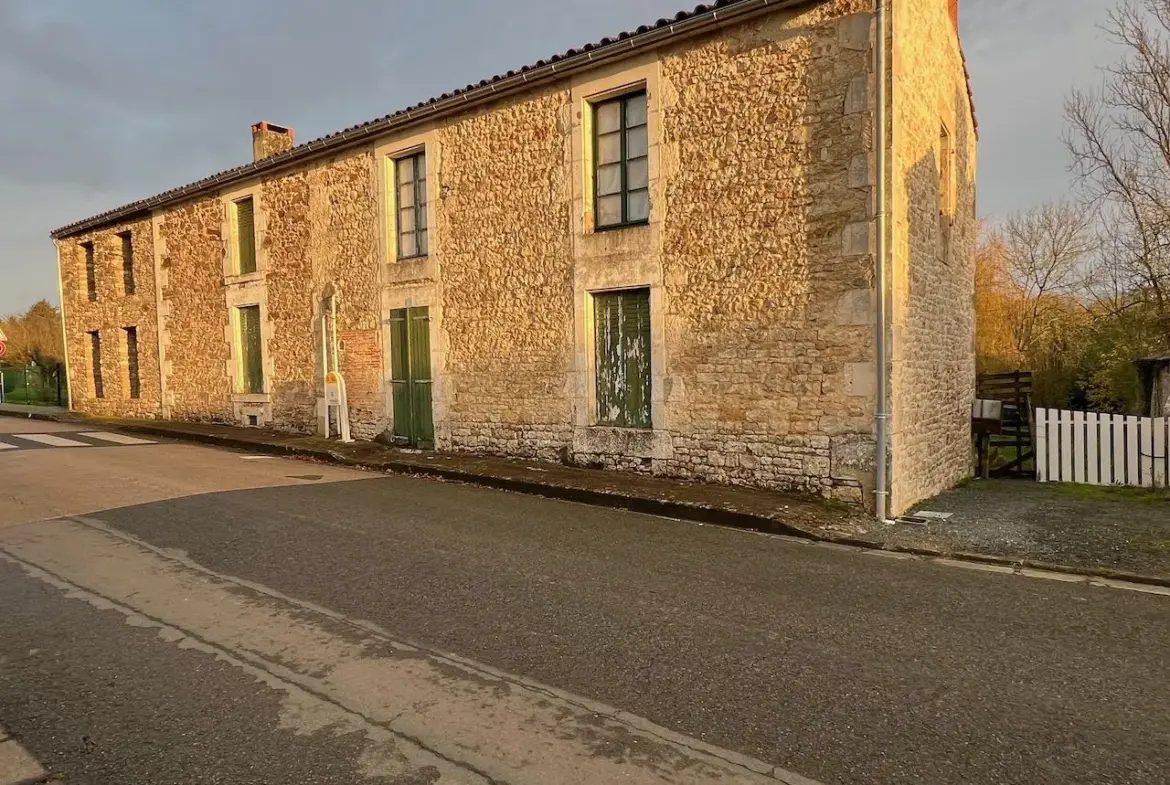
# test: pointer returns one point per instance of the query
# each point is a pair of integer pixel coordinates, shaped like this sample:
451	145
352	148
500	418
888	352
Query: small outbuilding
1155	372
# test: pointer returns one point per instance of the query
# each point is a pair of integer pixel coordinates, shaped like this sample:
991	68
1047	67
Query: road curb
45	416
640	504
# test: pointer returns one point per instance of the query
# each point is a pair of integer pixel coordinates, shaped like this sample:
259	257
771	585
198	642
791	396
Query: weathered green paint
251	354
410	376
245	236
622	338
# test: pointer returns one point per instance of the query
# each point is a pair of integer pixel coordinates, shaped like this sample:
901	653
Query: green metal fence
36	385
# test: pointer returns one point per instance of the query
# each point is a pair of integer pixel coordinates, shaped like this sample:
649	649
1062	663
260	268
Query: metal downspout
64	333
881	282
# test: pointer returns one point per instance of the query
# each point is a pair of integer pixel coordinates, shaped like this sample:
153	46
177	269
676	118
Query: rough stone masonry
756	266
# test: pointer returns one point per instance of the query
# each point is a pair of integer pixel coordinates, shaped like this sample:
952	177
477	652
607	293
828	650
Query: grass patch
1115	493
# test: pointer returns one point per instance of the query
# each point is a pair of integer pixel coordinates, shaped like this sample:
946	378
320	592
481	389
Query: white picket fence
1102	449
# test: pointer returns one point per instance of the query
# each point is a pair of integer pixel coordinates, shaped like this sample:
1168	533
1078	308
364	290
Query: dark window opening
127	262
95	348
132	362
90	272
621	150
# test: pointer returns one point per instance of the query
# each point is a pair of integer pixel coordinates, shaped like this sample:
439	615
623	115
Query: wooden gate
1014	444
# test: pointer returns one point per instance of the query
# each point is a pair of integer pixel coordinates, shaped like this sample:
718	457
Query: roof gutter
528	77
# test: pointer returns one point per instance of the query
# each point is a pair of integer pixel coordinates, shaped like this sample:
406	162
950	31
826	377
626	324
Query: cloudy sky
106	102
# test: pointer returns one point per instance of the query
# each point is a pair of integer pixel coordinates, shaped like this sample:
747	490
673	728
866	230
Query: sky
103	103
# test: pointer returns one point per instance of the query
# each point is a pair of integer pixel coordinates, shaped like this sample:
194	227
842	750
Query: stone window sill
253	398
245	278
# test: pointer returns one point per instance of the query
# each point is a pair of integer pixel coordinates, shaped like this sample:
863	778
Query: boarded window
127	262
251	353
132	362
621	184
245	236
95	350
90	272
622	339
411	178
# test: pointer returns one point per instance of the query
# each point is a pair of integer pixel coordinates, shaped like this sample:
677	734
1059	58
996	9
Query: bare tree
1046	252
1119	137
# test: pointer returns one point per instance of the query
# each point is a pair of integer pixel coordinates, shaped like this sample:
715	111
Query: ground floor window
132	362
251	363
95	350
622	340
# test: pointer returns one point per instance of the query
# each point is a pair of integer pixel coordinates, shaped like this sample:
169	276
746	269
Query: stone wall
113	311
314	228
933	358
767	262
503	243
194	312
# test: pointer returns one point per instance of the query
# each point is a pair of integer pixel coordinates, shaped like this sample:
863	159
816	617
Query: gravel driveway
1085	526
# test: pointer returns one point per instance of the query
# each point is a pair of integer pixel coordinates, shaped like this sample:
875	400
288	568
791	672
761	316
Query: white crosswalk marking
117	438
49	440
4	446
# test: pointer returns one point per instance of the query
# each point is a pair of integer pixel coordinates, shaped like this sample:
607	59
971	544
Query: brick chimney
955	12
269	139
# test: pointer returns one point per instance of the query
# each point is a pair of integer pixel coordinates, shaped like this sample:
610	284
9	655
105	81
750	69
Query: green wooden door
410	376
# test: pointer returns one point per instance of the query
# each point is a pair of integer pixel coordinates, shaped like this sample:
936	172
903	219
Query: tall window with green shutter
622	341
251	354
244	224
621	185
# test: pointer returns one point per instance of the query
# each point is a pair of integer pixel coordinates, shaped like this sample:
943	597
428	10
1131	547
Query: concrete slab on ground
17	766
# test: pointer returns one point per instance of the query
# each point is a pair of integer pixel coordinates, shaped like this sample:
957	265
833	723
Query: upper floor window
621	151
946	191
127	262
946	186
411	177
243	218
90	272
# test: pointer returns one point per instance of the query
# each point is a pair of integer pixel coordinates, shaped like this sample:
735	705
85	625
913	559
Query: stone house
735	246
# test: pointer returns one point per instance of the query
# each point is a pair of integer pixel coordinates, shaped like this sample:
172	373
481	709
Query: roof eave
591	56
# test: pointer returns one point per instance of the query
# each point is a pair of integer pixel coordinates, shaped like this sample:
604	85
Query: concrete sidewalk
771	512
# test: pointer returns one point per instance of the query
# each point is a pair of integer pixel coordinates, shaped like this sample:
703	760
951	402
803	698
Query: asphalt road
206	618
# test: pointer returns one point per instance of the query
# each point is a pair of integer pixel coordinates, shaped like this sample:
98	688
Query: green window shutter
622	338
420	377
400	376
245	236
251	351
410	376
